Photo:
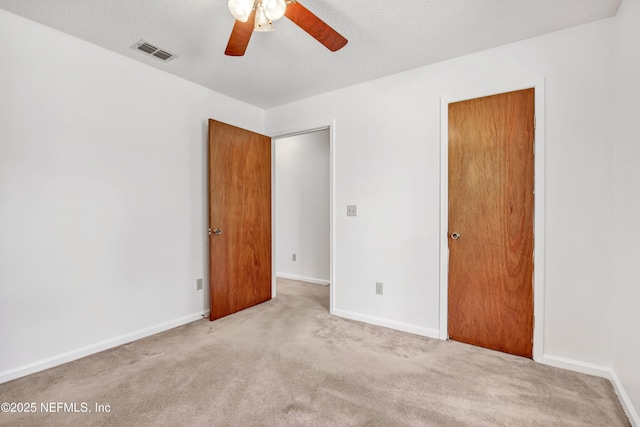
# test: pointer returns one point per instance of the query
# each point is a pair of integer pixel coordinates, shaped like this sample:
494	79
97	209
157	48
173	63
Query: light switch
352	210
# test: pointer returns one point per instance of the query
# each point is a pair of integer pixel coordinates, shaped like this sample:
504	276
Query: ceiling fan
258	15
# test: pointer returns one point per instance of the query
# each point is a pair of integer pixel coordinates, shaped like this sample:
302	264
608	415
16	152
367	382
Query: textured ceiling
385	37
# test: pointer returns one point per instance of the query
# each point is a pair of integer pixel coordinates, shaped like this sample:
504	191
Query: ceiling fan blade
240	36
316	27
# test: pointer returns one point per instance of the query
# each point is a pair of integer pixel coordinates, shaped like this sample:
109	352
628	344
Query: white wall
302	206
387	162
102	196
625	232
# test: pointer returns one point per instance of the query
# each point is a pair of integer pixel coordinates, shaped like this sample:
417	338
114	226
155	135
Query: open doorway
302	202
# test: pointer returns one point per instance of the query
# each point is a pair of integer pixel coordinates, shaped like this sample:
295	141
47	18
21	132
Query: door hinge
534	122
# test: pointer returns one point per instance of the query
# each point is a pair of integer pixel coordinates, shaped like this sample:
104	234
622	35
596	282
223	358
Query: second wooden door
491	222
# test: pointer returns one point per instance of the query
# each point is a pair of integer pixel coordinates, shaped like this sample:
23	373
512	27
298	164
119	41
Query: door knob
455	235
217	231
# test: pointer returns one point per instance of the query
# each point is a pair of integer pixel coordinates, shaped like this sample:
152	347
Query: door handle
217	231
455	235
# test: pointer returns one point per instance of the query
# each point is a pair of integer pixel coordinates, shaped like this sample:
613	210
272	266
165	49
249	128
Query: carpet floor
287	362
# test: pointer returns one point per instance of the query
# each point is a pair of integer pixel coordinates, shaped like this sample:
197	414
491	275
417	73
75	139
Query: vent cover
156	52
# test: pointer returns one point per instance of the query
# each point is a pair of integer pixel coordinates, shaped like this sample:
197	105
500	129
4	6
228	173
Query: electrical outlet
293	257
352	210
199	284
379	288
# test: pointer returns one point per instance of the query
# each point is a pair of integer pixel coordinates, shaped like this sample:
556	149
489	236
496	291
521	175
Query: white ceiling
385	37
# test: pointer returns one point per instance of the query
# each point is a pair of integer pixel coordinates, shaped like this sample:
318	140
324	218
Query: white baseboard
79	353
599	371
576	366
303	279
624	400
391	324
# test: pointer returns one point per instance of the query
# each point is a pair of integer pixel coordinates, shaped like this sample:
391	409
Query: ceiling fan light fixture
262	23
274	9
260	20
241	9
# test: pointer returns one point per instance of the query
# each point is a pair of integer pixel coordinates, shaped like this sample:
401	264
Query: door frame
332	156
539	203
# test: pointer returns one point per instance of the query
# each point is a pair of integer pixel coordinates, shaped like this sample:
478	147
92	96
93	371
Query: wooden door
240	208
491	213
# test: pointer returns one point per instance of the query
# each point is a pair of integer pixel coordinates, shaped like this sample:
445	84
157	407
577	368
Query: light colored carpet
287	362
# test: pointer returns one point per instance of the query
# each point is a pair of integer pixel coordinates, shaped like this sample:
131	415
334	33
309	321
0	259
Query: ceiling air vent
154	51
